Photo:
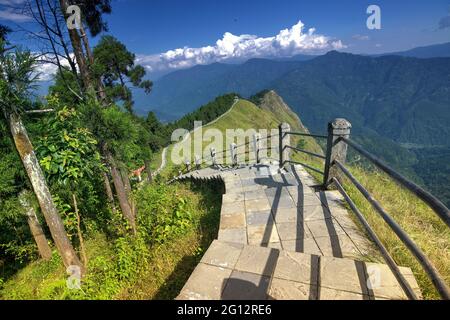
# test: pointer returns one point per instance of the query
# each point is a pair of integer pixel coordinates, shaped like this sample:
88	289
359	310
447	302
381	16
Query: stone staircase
280	238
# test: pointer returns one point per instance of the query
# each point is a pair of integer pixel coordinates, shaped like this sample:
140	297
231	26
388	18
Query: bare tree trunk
149	171
35	227
37	179
80	235
120	191
77	49
90	58
109	192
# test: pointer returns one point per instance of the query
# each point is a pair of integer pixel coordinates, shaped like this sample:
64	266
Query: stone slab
262	234
232	221
258	260
292	231
324	228
298	267
343	275
307	245
290	290
205	283
246	286
222	254
233	235
259	218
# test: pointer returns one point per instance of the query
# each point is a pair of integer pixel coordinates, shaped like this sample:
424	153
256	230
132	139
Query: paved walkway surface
279	238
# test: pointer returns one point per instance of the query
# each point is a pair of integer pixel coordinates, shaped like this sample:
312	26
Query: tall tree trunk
126	181
109	192
80	235
35	227
77	49
120	191
90	58
149	171
37	179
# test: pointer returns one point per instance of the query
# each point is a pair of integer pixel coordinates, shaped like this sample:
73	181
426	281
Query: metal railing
212	158
338	140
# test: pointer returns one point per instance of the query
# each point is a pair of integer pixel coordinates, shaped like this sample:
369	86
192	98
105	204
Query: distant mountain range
434	51
180	92
398	103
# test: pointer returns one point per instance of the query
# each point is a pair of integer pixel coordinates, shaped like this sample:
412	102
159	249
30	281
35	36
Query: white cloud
11	10
47	70
287	42
13	15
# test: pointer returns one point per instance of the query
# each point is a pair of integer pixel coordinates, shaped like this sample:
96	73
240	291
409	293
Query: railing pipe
386	256
442	211
429	268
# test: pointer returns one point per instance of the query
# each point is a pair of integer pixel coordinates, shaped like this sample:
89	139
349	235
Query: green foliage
163	214
114	64
16	79
64	80
67	151
205	113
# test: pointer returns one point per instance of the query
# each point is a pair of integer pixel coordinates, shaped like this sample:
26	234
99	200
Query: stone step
233	271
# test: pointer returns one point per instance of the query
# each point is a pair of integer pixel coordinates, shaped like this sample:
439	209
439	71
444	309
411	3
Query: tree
68	153
118	139
4	30
35	227
114	64
16	79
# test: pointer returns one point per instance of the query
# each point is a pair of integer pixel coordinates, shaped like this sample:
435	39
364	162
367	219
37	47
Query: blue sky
157	26
168	35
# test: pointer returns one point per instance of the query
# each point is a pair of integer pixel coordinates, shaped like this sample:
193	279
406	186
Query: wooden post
256	138
233	153
284	140
213	156
336	149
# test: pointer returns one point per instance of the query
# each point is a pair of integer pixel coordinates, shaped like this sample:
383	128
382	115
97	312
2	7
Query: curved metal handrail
427	265
441	210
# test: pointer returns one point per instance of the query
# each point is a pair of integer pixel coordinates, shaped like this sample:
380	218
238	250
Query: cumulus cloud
46	70
287	42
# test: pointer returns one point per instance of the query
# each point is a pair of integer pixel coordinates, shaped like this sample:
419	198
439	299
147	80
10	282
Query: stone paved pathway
279	238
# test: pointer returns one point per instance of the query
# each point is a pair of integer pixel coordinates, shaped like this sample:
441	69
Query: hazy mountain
433	51
182	91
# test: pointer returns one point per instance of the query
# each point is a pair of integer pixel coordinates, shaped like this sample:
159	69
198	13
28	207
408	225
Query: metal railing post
233	154
213	156
284	140
336	148
197	162
188	165
256	138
